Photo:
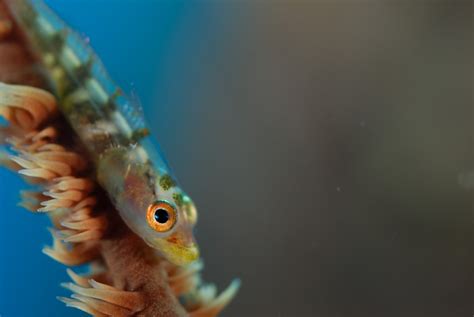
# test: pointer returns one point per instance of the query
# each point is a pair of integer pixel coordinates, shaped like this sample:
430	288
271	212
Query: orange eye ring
161	216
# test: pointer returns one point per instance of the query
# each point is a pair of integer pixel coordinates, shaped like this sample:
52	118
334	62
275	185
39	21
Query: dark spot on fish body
56	42
166	182
83	71
101	142
178	199
109	106
82	110
64	86
139	134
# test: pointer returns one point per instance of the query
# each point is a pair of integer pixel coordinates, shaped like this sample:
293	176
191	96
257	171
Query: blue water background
133	38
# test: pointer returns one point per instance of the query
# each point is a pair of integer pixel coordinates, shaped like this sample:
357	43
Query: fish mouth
176	253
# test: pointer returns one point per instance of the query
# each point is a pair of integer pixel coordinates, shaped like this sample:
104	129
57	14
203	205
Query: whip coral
127	277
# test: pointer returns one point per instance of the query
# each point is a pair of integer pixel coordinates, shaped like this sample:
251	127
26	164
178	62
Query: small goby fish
129	165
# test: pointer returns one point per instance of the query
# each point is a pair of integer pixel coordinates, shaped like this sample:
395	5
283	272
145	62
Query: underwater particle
178	199
166	182
466	180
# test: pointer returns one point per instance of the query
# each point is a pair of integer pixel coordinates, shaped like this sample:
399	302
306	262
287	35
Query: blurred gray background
332	155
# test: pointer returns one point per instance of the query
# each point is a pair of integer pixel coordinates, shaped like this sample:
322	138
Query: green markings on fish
166	182
178	199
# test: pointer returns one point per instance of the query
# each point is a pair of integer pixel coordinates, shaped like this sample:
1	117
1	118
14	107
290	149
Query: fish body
128	164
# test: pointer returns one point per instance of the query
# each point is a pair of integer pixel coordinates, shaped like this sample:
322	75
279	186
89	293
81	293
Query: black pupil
161	215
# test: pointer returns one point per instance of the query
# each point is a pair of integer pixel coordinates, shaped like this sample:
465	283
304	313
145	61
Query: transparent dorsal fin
128	113
135	113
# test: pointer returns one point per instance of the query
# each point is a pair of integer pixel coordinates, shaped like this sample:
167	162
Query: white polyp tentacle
184	280
38	173
81	306
88	202
211	305
74	195
84	228
49	133
99	298
200	300
52	165
48	165
207	293
71	183
51	147
80	224
26	107
76	255
30	105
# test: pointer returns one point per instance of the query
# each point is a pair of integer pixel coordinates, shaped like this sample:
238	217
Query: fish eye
161	216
